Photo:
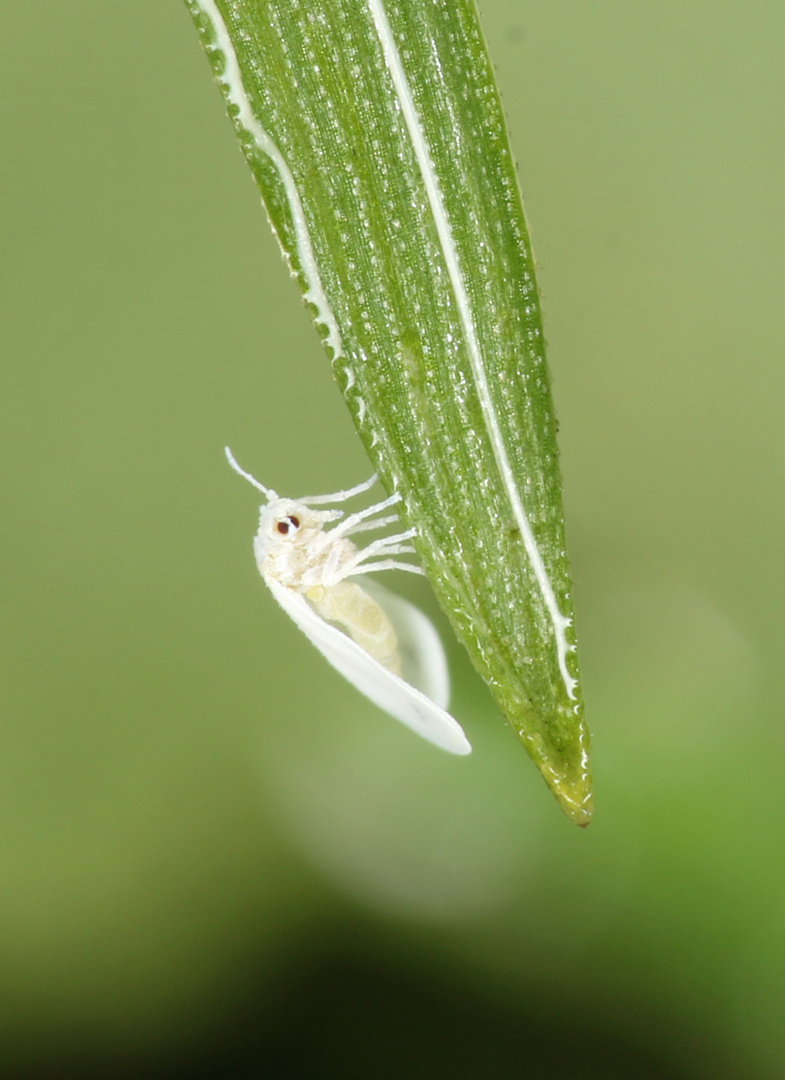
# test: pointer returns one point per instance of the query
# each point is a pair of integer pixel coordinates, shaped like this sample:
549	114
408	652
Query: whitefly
380	642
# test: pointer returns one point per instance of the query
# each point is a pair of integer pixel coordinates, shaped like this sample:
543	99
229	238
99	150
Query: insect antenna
267	492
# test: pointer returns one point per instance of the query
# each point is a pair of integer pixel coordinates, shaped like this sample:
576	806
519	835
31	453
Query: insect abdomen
350	606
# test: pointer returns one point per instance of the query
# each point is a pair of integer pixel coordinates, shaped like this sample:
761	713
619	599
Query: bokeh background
215	858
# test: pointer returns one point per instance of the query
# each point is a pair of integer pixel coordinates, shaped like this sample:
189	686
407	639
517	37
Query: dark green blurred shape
198	821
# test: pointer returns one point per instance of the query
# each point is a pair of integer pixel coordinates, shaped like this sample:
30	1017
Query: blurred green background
215	858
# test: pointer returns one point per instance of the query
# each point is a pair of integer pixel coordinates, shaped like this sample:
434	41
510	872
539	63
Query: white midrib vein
430	181
232	82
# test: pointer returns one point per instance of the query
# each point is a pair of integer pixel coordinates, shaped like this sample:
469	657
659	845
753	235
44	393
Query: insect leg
354	519
339	496
385	541
375	523
330	573
388	545
386	564
369	511
391	549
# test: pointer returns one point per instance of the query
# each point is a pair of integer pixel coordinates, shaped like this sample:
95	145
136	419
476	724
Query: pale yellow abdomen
350	606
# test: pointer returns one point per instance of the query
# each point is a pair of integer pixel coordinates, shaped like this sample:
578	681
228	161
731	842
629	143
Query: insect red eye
285	524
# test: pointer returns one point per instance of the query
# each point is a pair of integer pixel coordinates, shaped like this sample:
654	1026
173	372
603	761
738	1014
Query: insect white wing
391	652
389	691
423	662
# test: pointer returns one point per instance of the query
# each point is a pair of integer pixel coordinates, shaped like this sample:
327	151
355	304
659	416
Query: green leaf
376	136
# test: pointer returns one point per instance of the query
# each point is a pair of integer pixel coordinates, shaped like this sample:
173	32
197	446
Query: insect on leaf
376	136
380	642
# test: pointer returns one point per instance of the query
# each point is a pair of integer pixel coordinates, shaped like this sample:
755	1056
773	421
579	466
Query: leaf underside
375	133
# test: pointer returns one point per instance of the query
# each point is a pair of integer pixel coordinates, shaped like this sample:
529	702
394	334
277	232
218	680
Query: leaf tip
560	750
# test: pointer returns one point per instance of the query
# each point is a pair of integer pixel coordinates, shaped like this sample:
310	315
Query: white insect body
386	646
